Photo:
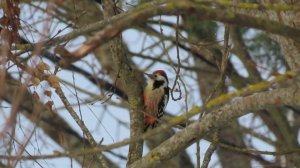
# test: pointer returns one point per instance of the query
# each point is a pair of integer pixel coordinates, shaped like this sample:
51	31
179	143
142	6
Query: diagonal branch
202	11
51	123
216	120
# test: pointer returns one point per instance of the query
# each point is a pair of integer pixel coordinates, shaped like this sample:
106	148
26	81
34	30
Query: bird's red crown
160	72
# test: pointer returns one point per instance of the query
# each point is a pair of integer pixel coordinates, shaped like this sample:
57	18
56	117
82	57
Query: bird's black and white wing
163	103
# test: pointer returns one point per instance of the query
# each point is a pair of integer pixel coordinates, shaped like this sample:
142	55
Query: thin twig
208	155
177	71
198	154
80	123
212	147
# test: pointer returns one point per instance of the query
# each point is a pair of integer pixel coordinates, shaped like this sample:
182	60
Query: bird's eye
155	76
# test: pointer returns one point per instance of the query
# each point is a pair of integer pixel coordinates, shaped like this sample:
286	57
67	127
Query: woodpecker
156	97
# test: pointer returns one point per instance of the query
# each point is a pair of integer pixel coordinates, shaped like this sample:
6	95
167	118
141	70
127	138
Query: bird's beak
149	75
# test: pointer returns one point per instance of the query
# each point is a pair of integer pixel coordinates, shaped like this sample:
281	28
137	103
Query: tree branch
132	86
202	11
52	124
216	120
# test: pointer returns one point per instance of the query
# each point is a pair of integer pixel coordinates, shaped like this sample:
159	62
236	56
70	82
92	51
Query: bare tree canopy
72	82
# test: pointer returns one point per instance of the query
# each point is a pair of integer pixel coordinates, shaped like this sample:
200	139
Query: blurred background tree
71	79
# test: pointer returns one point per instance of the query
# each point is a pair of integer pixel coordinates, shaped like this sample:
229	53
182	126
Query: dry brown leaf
53	81
35	81
43	66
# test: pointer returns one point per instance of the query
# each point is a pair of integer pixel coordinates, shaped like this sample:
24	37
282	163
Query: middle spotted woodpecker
156	97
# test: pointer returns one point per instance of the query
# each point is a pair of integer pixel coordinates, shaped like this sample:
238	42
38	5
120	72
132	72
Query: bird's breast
152	99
